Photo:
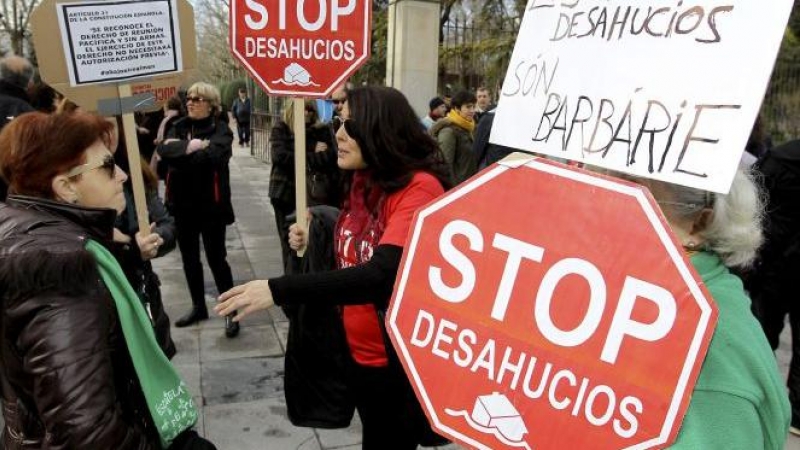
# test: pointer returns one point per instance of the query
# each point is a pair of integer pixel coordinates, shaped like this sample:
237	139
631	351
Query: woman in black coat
69	377
322	174
196	152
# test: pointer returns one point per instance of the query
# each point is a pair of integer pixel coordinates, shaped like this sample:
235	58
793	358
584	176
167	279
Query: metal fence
266	111
471	56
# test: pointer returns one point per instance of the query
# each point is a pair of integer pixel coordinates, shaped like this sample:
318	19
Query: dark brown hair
35	147
393	143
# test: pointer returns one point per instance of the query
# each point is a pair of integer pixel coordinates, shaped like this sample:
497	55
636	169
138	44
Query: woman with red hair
80	364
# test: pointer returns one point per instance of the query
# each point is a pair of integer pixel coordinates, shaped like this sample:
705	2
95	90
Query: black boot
231	327
192	317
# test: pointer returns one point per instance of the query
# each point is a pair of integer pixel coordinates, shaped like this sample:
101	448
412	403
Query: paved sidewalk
238	383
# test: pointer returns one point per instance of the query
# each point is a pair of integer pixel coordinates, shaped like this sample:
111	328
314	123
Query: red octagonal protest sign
300	48
545	307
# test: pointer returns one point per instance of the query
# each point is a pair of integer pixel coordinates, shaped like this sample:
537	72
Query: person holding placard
136	249
198	194
80	365
393	168
321	161
739	401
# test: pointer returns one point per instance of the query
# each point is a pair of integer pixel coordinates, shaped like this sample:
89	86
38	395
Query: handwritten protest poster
119	40
661	89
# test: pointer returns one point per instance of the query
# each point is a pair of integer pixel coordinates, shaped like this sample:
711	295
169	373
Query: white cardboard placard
661	89
112	41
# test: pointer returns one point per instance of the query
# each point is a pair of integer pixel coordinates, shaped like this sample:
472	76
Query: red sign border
367	35
697	348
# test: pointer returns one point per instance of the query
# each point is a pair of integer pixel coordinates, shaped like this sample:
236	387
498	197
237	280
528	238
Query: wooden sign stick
301	210
134	164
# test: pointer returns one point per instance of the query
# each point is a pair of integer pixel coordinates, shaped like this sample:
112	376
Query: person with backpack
240	110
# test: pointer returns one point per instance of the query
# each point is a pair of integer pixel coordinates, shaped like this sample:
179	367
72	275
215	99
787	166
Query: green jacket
739	401
456	145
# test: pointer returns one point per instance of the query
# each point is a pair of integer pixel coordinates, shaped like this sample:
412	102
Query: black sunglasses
337	101
108	164
195	99
350	128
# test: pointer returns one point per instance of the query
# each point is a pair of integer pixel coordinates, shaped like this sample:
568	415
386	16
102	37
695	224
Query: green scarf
167	397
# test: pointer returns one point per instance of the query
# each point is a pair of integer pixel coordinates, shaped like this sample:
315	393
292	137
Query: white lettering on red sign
299	48
622	323
263	47
560	387
258	17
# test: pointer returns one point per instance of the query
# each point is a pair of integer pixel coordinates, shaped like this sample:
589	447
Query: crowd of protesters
82	309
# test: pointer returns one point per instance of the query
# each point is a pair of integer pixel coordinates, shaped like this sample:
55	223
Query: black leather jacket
67	378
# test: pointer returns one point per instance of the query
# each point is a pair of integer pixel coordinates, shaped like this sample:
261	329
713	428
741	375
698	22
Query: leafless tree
15	20
215	62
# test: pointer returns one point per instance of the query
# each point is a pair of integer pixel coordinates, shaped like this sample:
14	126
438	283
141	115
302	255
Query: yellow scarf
456	118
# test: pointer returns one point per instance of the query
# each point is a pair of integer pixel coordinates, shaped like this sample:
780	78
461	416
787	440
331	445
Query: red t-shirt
362	328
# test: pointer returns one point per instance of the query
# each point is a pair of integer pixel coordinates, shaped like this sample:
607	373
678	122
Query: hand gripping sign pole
117	57
301	211
339	33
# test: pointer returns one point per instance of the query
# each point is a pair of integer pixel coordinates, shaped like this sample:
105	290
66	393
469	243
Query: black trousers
243	130
773	293
189	233
391	417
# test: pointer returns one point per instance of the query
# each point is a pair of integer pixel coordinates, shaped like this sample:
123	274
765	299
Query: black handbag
317	354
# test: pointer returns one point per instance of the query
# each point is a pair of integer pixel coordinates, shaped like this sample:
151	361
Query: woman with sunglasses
196	153
80	367
392	169
320	159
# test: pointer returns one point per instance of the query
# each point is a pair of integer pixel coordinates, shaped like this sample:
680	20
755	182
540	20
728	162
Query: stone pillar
412	59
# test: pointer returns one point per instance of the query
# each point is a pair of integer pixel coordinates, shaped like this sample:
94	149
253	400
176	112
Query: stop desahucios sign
540	306
300	47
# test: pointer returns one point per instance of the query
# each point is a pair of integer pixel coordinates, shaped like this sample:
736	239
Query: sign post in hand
117	57
301	210
134	164
300	49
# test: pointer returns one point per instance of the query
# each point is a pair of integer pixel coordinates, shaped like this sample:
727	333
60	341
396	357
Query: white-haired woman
739	401
196	152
